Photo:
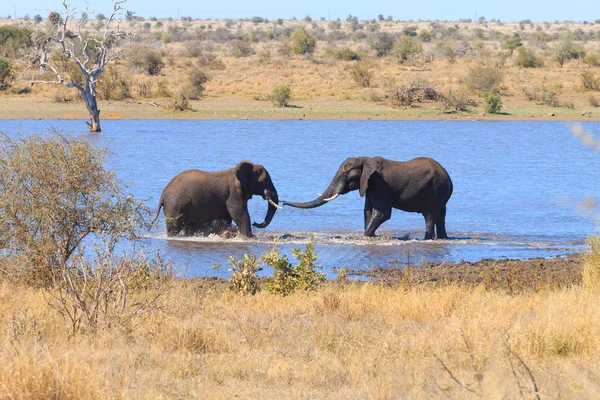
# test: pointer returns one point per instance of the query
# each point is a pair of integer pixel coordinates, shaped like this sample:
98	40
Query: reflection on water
515	184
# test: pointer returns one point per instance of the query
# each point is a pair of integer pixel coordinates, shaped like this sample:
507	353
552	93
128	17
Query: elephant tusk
332	197
271	202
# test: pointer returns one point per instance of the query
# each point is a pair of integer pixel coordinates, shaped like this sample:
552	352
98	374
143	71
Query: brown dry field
322	87
394	338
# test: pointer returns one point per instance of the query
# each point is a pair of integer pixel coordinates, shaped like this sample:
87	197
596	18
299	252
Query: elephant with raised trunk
198	202
420	185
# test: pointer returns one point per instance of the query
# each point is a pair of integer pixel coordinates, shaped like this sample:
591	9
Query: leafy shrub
484	79
527	59
14	40
406	48
382	43
303	42
55	194
288	278
360	73
281	96
513	43
594	101
590	81
344	54
243	278
492	103
153	63
5	73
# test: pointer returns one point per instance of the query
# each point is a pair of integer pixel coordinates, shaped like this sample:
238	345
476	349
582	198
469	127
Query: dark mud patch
505	274
509	276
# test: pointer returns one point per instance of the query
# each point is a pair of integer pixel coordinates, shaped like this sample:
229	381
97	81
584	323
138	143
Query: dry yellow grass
345	341
322	86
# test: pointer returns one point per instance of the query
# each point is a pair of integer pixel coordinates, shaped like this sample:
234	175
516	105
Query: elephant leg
368	211
440	224
382	211
173	227
239	213
429	226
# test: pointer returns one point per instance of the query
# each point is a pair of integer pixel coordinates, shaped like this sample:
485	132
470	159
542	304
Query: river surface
518	186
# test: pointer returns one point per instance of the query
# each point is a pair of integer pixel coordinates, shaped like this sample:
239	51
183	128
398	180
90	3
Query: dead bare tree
90	55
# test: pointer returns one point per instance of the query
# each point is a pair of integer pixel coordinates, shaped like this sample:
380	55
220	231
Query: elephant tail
160	205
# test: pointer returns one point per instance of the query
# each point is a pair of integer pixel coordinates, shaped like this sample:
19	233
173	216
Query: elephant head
353	174
255	180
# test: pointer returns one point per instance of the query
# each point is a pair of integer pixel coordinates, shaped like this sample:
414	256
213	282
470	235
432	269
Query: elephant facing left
195	201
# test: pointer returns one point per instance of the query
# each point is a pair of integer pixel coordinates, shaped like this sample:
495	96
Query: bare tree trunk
89	96
94	123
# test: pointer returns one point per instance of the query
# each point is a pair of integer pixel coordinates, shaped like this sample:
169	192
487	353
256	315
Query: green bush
526	58
406	48
153	63
566	50
113	86
14	40
594	101
288	278
303	42
484	79
382	43
492	103
281	96
196	80
5	73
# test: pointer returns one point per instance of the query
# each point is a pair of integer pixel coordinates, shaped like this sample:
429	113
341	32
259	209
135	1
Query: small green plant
281	96
243	278
492	103
288	278
361	74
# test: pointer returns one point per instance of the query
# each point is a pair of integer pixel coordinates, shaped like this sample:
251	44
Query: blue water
517	185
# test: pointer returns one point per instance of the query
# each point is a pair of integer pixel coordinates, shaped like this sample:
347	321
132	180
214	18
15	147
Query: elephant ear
243	173
370	166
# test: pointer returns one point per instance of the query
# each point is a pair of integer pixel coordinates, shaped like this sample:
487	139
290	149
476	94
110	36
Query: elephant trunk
333	191
273	199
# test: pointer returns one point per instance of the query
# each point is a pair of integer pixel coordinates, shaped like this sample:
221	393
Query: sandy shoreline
28	108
